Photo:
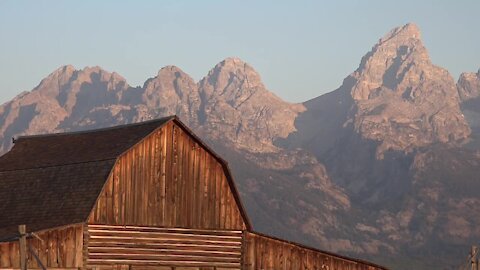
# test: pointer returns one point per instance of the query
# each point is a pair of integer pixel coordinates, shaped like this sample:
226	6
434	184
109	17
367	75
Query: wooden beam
23	246
39	262
473	256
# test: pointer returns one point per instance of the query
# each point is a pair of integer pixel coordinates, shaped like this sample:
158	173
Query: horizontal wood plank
175	247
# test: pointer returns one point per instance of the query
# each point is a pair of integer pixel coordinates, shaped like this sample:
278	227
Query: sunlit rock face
469	85
237	106
403	100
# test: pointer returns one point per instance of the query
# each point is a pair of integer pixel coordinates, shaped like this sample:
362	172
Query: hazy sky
302	49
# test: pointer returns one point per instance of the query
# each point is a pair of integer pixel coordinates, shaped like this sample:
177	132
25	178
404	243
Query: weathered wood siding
266	253
168	180
61	248
108	245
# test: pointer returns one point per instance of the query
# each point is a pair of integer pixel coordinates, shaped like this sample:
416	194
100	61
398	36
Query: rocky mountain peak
397	56
469	85
59	76
97	74
402	99
170	77
172	91
235	100
407	33
66	69
171	69
232	77
61	71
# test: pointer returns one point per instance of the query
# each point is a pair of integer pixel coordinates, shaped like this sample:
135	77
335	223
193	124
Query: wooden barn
142	196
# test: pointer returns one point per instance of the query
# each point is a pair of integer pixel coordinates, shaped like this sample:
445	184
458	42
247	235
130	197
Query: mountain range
386	167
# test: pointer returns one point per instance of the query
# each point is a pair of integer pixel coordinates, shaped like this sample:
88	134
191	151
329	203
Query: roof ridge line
97	129
59	165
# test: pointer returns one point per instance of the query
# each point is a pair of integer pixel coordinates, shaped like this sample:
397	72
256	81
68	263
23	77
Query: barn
149	195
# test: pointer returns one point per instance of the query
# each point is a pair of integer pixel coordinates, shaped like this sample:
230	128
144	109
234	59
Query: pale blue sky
302	49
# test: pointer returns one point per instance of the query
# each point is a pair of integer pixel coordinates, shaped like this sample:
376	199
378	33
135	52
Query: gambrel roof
52	180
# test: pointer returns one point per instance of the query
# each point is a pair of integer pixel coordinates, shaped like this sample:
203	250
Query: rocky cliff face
59	102
469	85
384	167
235	100
403	100
172	91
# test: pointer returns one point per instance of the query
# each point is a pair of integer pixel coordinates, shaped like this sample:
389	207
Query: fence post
23	246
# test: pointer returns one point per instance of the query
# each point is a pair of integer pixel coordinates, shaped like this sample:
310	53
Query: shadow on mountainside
25	115
326	129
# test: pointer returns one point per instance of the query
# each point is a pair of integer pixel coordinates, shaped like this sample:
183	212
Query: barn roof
52	180
40	151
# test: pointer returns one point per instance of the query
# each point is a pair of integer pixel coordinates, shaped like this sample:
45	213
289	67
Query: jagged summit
65	68
233	72
397	56
409	31
231	61
170	69
469	85
171	74
234	88
68	72
63	73
93	69
403	100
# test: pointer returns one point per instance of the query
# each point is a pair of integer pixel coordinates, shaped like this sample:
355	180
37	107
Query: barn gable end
168	201
169	179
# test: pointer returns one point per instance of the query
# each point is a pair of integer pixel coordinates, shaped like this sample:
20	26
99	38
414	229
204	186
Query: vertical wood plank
116	195
78	262
211	192
109	201
14	254
223	198
185	181
206	191
169	207
157	208
69	247
153	188
4	256
197	185
180	217
218	182
163	160
23	246
228	204
130	205
190	196
201	200
148	181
